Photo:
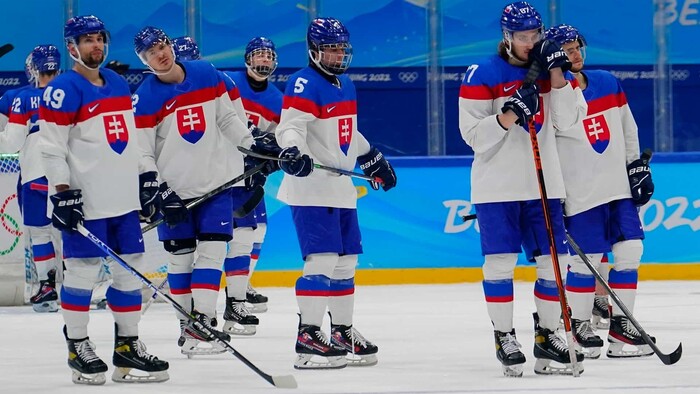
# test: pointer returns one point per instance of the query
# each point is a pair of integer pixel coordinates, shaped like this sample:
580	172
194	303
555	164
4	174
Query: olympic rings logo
408	77
4	219
133	79
680	75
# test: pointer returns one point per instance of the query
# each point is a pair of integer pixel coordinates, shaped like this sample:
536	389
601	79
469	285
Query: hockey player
189	124
263	103
319	122
21	135
237	317
9	96
606	180
92	160
494	110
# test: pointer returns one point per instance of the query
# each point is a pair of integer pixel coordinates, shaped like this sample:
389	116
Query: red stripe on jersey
19	118
254	107
145	121
481	92
606	102
342	108
199	96
38	186
60	118
301	104
101	106
234	94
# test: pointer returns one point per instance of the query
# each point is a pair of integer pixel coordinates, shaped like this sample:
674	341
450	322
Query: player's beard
94	60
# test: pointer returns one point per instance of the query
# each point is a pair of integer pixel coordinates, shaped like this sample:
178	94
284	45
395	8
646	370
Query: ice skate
361	352
257	301
601	313
194	341
622	333
587	342
86	366
552	353
237	318
509	354
315	351
134	365
46	300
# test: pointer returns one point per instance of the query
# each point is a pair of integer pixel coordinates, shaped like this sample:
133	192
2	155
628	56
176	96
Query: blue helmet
186	49
520	16
81	25
148	37
329	33
564	34
46	59
261	46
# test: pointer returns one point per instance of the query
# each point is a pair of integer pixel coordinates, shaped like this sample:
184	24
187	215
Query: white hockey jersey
503	168
87	141
20	134
188	129
321	120
595	152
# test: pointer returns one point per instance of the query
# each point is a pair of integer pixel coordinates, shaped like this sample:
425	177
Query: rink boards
415	234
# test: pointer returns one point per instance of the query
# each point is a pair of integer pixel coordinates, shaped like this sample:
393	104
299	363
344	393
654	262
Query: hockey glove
172	206
641	184
295	163
258	178
550	56
67	209
525	103
148	194
375	165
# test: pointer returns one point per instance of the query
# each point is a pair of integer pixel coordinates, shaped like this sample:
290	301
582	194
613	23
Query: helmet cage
260	69
329	62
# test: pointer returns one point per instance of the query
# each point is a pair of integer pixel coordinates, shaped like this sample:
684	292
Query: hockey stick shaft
286	381
530	78
377	179
469	217
5	49
667	359
205	197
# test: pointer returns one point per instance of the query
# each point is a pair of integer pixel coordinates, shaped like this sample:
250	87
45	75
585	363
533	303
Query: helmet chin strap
318	64
78	59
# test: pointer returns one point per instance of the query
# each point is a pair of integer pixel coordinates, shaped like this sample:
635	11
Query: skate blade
545	366
93	379
367	360
257	308
133	375
234	328
312	361
513	371
592	353
618	350
46	307
194	347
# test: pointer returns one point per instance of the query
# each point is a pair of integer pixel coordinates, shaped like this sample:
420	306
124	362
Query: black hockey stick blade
668	359
5	49
249	206
469	217
284	381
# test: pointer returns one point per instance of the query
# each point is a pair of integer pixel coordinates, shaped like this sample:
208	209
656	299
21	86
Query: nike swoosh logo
92	109
168	106
507	88
224	223
140	240
330	109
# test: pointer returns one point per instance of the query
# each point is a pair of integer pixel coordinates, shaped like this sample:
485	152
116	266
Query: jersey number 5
54	97
300	84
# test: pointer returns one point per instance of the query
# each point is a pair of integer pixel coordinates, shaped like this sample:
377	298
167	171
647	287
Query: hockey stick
530	78
5	49
469	217
240	212
282	381
377	179
667	359
218	190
